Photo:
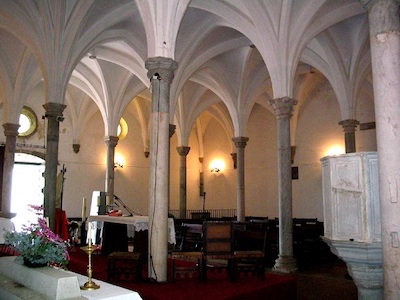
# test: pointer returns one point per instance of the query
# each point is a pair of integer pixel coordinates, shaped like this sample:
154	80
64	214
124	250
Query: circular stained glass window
28	122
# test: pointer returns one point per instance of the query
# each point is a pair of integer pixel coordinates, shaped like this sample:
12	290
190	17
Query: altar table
134	223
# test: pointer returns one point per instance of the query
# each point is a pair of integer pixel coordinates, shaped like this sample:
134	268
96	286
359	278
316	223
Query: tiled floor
326	281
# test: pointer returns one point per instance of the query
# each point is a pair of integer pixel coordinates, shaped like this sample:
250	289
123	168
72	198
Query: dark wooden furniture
250	248
124	265
218	245
188	252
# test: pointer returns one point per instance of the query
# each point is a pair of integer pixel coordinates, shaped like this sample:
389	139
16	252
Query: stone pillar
183	152
349	127
172	128
54	117
161	72
240	143
384	26
111	142
11	133
283	108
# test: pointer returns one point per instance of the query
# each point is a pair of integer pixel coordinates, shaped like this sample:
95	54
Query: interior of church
188	110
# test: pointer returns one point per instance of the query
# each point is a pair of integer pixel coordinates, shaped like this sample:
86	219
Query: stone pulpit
352	219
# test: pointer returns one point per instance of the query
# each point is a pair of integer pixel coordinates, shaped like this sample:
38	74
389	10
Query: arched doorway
27	185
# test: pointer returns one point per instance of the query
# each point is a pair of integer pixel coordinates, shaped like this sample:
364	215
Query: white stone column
54	117
349	127
240	143
384	25
11	133
111	142
283	108
183	152
161	72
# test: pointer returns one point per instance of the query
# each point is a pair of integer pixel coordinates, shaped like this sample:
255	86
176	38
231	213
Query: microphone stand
204	205
130	211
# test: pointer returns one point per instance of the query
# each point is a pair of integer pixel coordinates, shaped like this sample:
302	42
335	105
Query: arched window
28	122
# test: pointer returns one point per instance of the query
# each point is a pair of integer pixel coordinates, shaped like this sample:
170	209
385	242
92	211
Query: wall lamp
118	164
217	166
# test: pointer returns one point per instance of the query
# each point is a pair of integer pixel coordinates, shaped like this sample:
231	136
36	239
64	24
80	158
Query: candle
47	221
108	202
98	201
84	209
90	233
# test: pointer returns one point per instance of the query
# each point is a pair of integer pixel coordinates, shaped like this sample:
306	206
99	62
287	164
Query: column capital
111	141
183	150
349	125
11	129
172	128
240	141
283	107
368	3
54	110
383	15
163	66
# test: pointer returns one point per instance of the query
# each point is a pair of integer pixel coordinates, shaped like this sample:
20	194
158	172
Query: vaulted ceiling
231	54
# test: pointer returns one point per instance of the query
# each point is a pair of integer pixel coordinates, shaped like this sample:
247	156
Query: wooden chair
189	252
249	254
218	247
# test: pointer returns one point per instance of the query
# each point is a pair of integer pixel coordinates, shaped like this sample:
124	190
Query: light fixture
335	150
217	166
215	169
92	54
118	164
118	161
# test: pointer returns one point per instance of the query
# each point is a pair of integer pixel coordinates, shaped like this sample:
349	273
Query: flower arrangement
37	244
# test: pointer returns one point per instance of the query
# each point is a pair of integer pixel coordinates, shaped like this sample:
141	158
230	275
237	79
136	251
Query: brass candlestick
89	285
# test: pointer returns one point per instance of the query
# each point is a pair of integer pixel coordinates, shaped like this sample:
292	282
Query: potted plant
37	244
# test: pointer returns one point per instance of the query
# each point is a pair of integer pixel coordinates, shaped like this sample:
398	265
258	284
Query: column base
7	215
364	264
285	264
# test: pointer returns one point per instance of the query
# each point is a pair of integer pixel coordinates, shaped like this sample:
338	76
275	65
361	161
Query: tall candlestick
84	209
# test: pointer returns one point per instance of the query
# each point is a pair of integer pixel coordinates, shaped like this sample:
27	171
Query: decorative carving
283	107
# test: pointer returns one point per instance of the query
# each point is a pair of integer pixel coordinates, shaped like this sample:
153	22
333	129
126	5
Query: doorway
27	186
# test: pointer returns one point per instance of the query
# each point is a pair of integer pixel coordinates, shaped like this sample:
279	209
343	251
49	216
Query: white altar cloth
134	223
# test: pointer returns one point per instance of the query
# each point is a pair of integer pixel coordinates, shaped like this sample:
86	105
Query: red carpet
218	285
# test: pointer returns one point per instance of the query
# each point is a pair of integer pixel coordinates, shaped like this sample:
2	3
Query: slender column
111	142
172	128
183	152
349	127
384	26
160	71
283	108
54	116
11	133
240	143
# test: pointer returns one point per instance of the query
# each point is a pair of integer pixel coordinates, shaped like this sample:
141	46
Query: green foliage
38	244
